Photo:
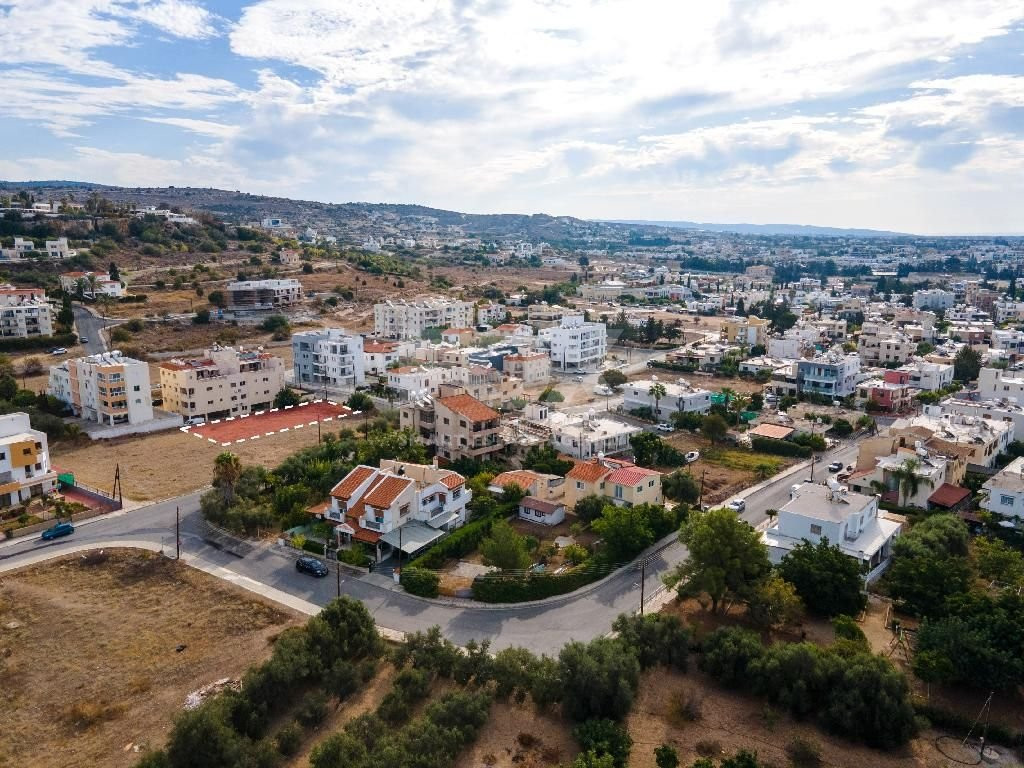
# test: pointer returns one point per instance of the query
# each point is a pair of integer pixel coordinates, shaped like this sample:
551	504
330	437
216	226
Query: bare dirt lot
726	470
517	736
185	463
269	424
93	668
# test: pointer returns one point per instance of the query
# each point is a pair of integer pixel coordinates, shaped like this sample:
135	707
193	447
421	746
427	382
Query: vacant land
518	736
726	471
185	463
92	666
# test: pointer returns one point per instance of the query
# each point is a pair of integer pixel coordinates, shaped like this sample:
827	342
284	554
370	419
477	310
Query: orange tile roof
319	509
588	471
362	534
452	480
524	478
774	431
385	492
351	481
631	475
376	347
469	406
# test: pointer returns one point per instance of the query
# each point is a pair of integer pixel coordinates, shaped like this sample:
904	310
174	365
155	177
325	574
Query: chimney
434	462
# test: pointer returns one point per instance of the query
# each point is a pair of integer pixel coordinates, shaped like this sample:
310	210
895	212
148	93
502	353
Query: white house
851	521
491	314
928	376
1006	491
576	345
585	436
25	469
679	397
934	298
541	511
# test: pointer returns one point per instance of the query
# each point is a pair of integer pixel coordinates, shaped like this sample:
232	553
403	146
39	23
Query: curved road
540	627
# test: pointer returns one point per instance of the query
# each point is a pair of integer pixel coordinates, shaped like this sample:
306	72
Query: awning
414	536
441	520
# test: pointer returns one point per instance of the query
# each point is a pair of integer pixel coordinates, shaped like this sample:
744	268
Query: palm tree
907	481
657	391
227	468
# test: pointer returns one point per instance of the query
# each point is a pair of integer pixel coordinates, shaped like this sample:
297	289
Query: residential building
532	368
889	476
575	344
1006	492
831	374
397	505
703	357
934	299
540	316
247	295
378	356
849	520
620	482
25	248
414	382
786	347
536	484
679	397
927	376
488	385
1009	311
107	388
460	337
223	382
1007	344
541	511
891	393
491	314
1003	409
91	284
24	312
996	384
25	470
984	439
409	319
328	357
748	331
879	343
585	436
457	426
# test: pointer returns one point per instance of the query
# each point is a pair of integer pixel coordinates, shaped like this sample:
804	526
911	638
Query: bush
421	582
460	542
38	342
355	556
655	639
780	447
201	317
728	653
599	679
604	737
520	589
803	753
120	335
289	739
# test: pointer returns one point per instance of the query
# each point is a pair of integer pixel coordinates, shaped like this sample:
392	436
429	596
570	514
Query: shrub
780	447
655	639
37	342
803	753
728	652
604	737
289	739
421	582
599	679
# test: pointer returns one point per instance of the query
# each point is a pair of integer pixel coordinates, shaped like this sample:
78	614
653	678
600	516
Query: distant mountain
764	229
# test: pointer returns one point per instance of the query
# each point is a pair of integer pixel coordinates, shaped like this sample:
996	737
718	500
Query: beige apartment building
107	388
532	367
224	382
458	426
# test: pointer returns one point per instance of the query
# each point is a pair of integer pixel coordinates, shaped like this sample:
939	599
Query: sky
898	114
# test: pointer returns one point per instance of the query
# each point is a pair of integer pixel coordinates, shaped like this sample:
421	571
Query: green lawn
748	461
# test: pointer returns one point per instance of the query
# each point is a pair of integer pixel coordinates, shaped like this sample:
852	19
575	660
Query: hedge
38	342
780	447
519	589
137	298
421	582
457	544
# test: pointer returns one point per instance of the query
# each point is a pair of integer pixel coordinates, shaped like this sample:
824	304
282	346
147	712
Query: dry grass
91	669
728	470
185	462
517	735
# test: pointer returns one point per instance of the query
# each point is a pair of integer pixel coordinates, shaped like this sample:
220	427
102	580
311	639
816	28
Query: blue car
55	532
312	566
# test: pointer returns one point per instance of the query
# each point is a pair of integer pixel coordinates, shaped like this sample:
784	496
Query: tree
613	378
646	448
285	398
604	737
114	272
66	316
966	365
907	480
842	428
624	532
726	558
504	548
657	391
599	679
929	566
681	487
543	458
829	582
201	317
360	401
775	603
401	445
714	428
217	299
227	468
589	508
666	756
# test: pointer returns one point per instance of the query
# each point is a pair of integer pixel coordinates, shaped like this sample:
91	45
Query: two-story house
620	482
456	425
1006	492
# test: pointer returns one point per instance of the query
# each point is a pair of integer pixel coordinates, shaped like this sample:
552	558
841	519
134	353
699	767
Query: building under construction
250	295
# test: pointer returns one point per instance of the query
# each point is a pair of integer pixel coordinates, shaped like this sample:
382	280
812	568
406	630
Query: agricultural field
91	663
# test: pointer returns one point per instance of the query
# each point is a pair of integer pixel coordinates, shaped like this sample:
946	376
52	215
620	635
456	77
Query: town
456	439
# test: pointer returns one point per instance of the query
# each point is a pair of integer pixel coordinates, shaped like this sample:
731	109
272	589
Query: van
196	421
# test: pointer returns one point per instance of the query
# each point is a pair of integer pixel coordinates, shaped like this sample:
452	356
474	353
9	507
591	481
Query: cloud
180	18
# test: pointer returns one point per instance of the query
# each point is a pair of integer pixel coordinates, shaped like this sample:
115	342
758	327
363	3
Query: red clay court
268	423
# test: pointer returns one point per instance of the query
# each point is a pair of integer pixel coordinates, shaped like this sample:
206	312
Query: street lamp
814	458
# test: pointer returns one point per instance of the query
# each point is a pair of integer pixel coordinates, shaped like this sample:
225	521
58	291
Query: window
1006	501
618	491
403	510
579	483
816	530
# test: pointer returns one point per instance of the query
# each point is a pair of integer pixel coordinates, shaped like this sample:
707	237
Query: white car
737	505
691	456
601	389
664	427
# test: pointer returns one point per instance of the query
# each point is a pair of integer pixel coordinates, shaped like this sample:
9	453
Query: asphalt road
541	628
90	326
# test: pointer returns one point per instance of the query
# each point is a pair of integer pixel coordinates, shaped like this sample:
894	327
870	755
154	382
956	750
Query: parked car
312	566
794	488
58	530
737	505
58	351
691	456
196	421
835	466
664	427
82	340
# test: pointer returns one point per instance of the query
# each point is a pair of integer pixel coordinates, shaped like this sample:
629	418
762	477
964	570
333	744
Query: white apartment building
786	347
414	382
928	376
1006	311
379	355
576	345
1007	343
409	319
25	469
24	312
679	397
331	357
1006	492
586	436
246	295
107	388
831	374
491	314
982	439
934	299
1004	410
224	382
546	315
881	343
995	384
851	521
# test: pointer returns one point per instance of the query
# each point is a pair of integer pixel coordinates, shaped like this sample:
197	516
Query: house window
579	484
816	530
1006	501
403	510
618	491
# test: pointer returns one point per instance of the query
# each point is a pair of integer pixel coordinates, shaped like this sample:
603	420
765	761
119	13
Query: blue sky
905	115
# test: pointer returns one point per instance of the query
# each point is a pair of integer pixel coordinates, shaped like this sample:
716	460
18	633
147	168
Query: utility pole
177	533
700	500
337	571
643	572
